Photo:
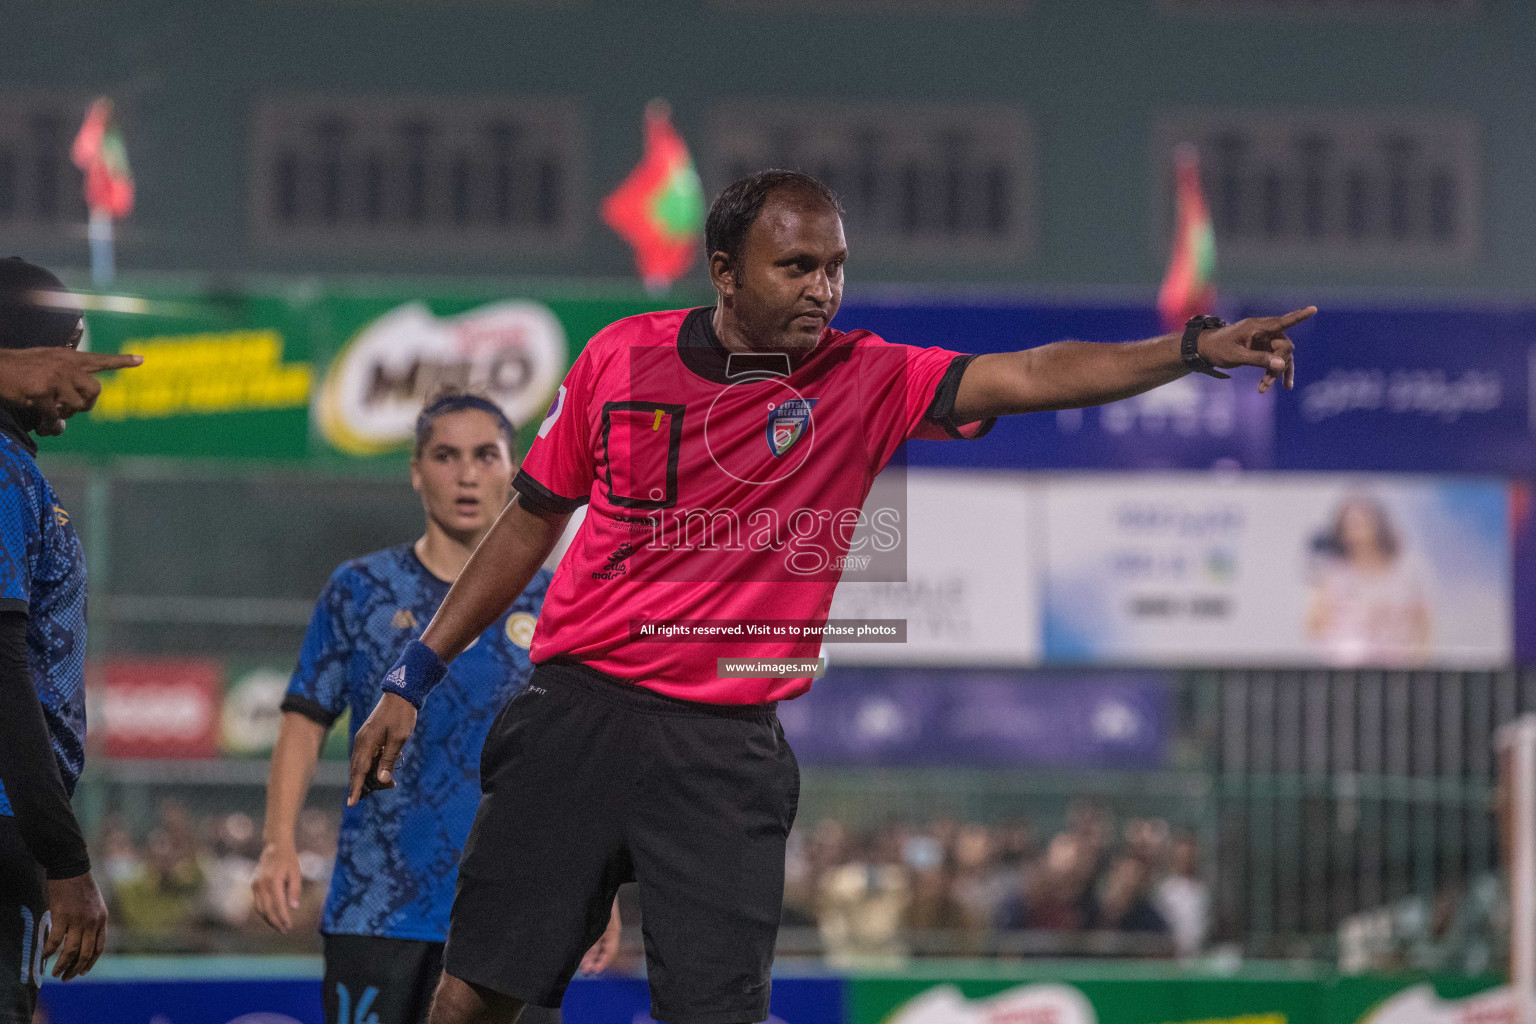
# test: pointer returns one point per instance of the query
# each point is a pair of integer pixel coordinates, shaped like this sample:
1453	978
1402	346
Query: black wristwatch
1189	348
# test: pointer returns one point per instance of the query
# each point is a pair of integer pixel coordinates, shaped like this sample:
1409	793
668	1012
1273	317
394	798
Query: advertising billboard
1294	570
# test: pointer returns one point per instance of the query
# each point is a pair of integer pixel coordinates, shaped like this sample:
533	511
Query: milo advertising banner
389	353
334	378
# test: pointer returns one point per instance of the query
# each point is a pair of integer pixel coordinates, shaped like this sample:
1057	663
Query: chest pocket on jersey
641	445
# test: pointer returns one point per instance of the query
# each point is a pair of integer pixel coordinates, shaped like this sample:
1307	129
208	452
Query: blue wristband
418	670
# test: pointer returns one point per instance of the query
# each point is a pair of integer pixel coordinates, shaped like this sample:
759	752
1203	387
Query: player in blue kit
386	917
48	901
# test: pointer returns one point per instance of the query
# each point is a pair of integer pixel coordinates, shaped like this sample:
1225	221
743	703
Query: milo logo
513	352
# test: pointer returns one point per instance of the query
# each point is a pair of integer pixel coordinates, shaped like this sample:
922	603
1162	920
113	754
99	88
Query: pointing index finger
1295	317
98	362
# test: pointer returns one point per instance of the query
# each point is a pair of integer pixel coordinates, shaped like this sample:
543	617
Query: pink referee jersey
724	487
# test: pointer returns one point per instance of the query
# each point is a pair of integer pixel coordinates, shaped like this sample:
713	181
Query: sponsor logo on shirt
60	517
614	567
787	423
520	628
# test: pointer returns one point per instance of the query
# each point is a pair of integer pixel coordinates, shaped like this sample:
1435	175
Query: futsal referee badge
787	423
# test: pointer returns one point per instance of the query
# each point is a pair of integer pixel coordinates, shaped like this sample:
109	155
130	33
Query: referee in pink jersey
725	454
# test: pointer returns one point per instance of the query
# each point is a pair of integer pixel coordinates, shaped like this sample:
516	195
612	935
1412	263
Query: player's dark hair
456	399
736	208
35	308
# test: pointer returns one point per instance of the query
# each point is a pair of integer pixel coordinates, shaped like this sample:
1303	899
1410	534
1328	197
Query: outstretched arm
499	570
1073	374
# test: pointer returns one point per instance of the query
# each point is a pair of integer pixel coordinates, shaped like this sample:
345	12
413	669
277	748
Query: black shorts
23	927
390	981
589	783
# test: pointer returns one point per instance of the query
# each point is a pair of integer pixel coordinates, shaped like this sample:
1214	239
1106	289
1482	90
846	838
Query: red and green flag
1189	286
659	208
101	156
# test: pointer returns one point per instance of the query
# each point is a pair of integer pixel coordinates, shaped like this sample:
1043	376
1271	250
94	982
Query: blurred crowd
185	885
943	887
953	887
1463	928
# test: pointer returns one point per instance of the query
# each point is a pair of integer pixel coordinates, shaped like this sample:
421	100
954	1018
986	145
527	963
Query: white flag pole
103	262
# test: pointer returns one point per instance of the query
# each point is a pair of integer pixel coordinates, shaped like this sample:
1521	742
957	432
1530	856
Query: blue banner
1444	391
226	1001
610	1000
1441	390
1002	719
599	1000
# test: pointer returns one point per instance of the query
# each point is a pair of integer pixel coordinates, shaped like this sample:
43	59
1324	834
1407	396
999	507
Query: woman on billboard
1369	603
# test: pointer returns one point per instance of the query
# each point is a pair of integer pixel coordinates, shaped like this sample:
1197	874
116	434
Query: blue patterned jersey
42	572
398	853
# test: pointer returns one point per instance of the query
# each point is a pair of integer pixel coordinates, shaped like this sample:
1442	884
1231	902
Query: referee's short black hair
735	209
